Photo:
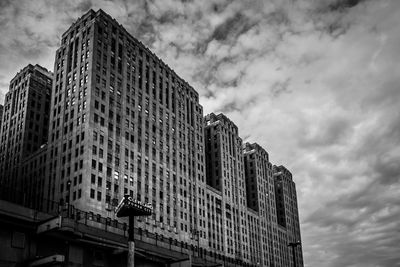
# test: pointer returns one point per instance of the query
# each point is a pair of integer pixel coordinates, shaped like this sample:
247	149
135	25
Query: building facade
25	121
1	115
287	214
33	168
121	122
225	173
261	199
242	178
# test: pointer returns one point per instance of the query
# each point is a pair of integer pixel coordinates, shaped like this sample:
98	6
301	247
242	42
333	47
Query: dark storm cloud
342	5
219	7
232	28
367	216
168	17
328	15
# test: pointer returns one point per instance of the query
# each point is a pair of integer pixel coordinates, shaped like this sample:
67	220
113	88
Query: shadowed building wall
287	214
225	173
261	199
122	122
25	121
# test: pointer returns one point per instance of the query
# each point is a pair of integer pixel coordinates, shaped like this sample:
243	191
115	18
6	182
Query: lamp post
69	191
293	245
69	198
129	207
196	233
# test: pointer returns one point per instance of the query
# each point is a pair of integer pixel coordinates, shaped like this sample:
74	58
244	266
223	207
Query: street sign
132	207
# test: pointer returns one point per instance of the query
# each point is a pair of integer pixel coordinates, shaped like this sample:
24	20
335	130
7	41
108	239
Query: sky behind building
315	82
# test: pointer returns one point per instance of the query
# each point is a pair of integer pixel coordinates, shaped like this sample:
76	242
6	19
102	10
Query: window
100	167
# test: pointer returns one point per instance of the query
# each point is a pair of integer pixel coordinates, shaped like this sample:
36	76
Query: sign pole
129	207
131	242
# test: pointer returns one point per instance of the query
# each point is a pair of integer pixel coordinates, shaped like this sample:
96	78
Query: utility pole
131	242
293	245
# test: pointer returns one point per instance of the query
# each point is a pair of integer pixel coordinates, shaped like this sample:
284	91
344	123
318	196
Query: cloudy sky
315	82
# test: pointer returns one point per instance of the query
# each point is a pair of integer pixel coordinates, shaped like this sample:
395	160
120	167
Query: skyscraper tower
25	122
261	198
225	173
122	122
1	114
287	215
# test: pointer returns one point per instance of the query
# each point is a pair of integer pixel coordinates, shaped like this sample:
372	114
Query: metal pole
131	242
66	259
130	208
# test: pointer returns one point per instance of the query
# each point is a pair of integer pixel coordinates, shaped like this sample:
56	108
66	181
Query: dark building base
32	238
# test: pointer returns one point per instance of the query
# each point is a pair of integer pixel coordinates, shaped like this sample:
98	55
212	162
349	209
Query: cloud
233	27
314	82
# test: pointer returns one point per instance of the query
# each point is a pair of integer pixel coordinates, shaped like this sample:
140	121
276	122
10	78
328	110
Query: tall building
242	180
25	121
254	231
34	179
225	173
261	199
1	115
122	122
287	216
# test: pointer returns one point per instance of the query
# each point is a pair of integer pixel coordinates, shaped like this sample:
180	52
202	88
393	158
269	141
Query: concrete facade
123	123
34	177
261	198
1	115
25	121
287	213
225	173
29	237
242	179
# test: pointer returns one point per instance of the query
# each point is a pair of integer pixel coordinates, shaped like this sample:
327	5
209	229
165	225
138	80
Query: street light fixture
196	233
69	191
293	245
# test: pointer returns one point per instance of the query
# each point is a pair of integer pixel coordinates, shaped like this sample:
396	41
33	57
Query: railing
66	210
35	202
